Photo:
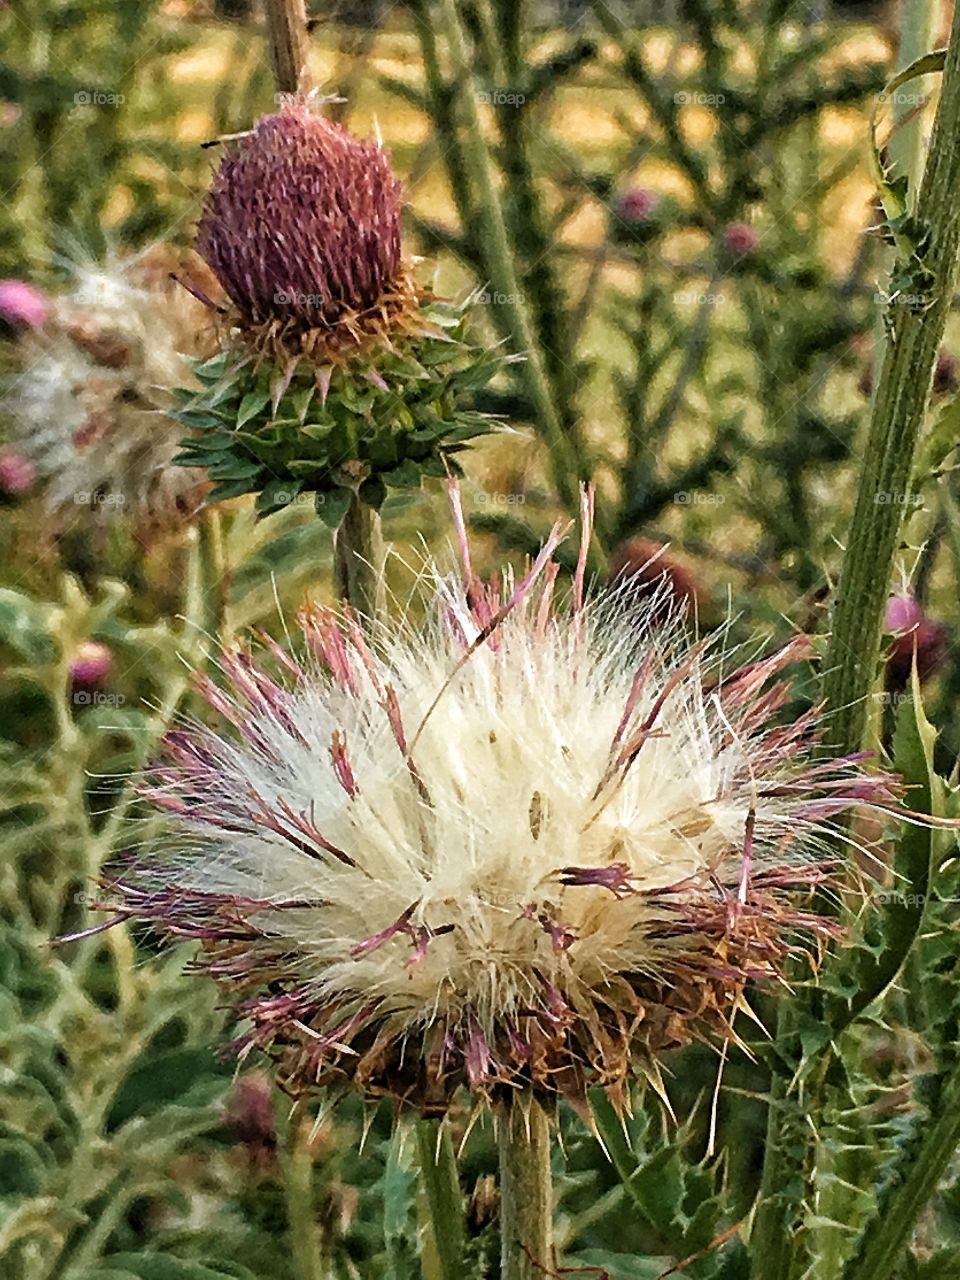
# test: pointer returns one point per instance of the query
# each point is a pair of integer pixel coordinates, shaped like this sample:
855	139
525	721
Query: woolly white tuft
87	406
525	842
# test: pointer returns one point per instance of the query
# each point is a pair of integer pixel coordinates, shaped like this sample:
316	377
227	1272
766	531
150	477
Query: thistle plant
522	851
338	376
88	407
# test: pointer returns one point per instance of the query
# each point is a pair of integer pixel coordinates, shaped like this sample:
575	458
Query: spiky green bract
341	428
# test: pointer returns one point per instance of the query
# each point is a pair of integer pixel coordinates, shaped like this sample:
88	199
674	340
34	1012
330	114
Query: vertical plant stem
358	550
898	411
358	560
567	467
918	23
888	1240
441	1186
526	1193
289	44
306	1245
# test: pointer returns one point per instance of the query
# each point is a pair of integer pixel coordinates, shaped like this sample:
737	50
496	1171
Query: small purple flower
91	662
913	634
903	613
21	305
739	239
638	204
17	473
945	375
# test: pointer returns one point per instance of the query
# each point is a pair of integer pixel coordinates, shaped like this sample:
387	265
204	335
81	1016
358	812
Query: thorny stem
526	1193
852	656
567	467
890	1236
358	557
304	1233
918	21
902	394
441	1185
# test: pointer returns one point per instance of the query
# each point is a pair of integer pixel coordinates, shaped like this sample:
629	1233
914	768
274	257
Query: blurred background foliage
688	264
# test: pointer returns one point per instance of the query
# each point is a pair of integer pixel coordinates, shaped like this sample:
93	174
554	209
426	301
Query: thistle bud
17	473
653	573
913	634
21	305
637	205
302	224
91	663
739	239
342	376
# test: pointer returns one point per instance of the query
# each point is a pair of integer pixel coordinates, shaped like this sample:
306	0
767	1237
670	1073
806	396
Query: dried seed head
530	845
302	223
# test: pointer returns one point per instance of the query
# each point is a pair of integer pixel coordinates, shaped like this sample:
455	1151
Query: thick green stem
918	22
289	44
902	394
890	1236
306	1244
526	1194
358	560
567	467
444	1200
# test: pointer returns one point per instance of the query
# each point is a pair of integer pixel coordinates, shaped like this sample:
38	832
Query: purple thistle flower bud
638	204
913	633
739	239
945	374
302	223
21	305
903	613
17	473
91	662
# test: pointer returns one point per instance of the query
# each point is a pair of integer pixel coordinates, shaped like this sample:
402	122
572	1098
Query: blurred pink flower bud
17	473
654	574
912	631
637	205
250	1109
739	239
945	374
21	304
903	614
91	662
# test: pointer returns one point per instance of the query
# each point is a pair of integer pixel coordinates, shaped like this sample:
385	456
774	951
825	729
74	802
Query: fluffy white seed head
87	405
522	842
